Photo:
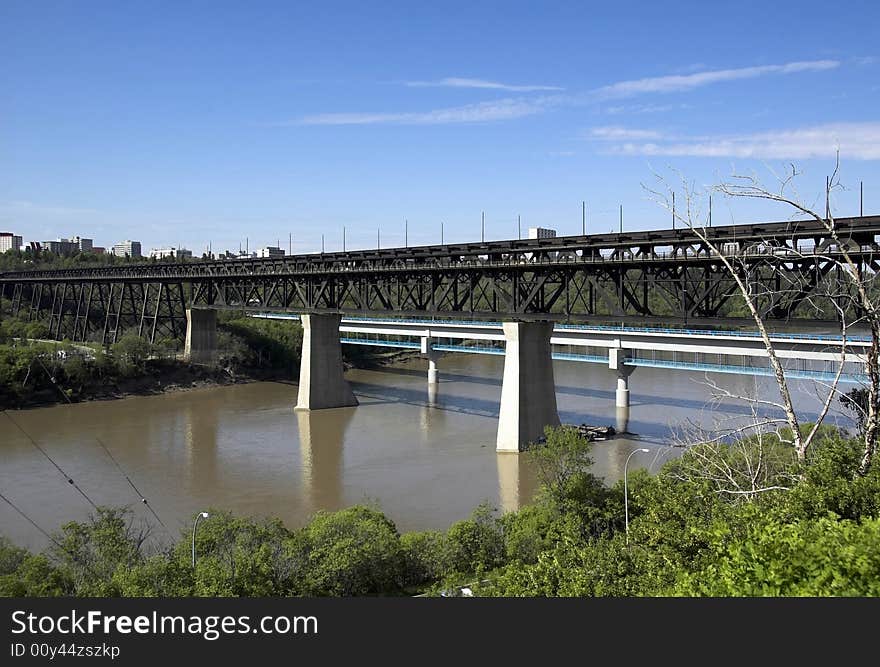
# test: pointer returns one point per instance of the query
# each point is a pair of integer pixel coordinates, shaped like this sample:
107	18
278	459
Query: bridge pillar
321	382
528	392
433	357
201	335
617	357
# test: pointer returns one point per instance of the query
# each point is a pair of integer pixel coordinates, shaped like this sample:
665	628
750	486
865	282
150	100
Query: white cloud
616	133
856	141
644	108
458	82
683	82
506	109
509	108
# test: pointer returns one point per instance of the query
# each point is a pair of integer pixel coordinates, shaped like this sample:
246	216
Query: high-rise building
9	241
60	246
271	252
127	249
83	245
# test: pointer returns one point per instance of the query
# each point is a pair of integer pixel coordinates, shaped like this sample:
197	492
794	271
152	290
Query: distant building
271	252
83	245
164	253
98	250
541	233
240	254
9	241
60	246
127	249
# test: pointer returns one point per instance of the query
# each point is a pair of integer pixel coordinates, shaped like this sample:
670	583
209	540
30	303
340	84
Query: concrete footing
321	381
528	392
201	335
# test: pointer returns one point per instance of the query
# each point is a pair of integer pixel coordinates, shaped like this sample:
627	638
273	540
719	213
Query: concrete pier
528	392
321	382
433	356
201	335
617	357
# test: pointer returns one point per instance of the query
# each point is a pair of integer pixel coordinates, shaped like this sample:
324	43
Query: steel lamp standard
625	495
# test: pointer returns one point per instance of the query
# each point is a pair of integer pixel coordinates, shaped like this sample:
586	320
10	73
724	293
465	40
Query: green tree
131	352
426	557
476	544
355	551
90	553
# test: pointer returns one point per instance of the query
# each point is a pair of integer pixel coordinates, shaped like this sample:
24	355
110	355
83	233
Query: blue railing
822	376
587	327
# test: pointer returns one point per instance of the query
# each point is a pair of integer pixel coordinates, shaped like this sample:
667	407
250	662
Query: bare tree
848	293
738	458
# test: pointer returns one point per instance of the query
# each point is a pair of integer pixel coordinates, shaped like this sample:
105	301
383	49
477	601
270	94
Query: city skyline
168	126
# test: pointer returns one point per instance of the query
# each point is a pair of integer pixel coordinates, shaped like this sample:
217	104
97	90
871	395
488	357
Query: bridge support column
617	357
528	392
433	357
321	382
201	335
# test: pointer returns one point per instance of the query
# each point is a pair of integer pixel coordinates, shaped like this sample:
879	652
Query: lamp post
625	497
200	515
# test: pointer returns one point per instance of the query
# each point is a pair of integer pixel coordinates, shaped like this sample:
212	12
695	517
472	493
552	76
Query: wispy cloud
458	82
483	112
617	133
684	82
856	141
518	107
621	109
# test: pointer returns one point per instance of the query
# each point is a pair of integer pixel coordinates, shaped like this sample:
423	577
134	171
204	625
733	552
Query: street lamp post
200	515
625	496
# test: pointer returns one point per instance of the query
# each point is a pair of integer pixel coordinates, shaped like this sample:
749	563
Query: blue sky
189	122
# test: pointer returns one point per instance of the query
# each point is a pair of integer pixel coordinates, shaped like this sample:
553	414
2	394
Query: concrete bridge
528	395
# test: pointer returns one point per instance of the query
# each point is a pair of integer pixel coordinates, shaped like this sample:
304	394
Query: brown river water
426	459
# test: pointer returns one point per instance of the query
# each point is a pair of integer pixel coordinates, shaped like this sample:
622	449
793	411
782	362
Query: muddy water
426	458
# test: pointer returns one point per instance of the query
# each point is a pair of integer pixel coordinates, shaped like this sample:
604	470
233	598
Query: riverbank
158	376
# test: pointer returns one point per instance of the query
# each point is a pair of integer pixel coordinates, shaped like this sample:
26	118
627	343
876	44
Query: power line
140	495
51	460
28	519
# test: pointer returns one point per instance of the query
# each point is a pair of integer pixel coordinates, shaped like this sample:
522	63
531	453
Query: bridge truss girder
675	291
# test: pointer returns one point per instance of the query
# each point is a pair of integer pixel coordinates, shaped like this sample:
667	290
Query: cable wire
28	519
140	495
51	460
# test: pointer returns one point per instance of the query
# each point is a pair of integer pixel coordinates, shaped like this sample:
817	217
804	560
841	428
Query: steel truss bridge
668	276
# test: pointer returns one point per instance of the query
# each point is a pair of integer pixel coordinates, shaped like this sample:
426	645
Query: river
426	459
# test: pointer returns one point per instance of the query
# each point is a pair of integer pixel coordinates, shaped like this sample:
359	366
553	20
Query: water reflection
516	481
200	423
321	445
621	419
